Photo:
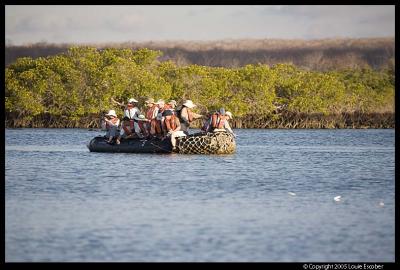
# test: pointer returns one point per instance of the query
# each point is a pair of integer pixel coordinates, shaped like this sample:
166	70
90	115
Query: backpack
178	114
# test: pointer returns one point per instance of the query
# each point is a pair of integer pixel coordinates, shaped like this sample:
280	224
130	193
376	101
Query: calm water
64	203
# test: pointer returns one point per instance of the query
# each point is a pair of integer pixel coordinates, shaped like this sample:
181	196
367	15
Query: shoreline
286	120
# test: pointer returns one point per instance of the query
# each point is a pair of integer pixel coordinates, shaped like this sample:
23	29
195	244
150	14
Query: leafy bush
84	80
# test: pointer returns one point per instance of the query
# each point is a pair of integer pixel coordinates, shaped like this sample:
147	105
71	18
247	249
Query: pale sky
118	23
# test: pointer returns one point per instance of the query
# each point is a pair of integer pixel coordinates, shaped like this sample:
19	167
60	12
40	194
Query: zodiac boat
220	142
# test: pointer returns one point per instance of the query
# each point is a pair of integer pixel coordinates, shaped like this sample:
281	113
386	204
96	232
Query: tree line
321	55
82	82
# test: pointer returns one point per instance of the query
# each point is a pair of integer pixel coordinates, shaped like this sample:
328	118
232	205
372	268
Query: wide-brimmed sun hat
150	100
111	113
188	103
160	101
141	116
132	100
229	114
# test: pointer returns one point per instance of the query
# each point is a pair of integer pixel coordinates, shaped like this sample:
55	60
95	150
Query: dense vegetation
81	84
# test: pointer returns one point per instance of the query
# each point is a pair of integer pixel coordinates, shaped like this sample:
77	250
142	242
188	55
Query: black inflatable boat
198	143
136	145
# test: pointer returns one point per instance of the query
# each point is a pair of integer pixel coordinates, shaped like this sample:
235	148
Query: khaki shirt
185	118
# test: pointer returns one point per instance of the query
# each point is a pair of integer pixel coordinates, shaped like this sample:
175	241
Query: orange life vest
150	112
214	119
170	123
218	120
221	122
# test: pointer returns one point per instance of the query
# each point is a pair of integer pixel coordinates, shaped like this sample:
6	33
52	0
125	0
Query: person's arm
116	124
196	116
178	124
111	123
118	103
168	123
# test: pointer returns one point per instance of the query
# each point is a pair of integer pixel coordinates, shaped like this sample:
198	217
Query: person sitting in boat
172	127
151	111
140	126
222	123
126	131
111	121
151	115
132	111
218	122
187	116
171	105
207	127
158	128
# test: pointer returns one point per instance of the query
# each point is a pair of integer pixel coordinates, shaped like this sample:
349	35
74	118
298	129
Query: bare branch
117	103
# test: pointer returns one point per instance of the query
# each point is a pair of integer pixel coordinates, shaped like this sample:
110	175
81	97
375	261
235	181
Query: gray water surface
64	203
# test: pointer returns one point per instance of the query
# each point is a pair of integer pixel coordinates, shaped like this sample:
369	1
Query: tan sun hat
132	100
111	113
150	100
229	114
188	103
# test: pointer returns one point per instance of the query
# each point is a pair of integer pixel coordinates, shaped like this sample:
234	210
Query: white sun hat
111	113
141	116
188	103
229	114
132	100
160	101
